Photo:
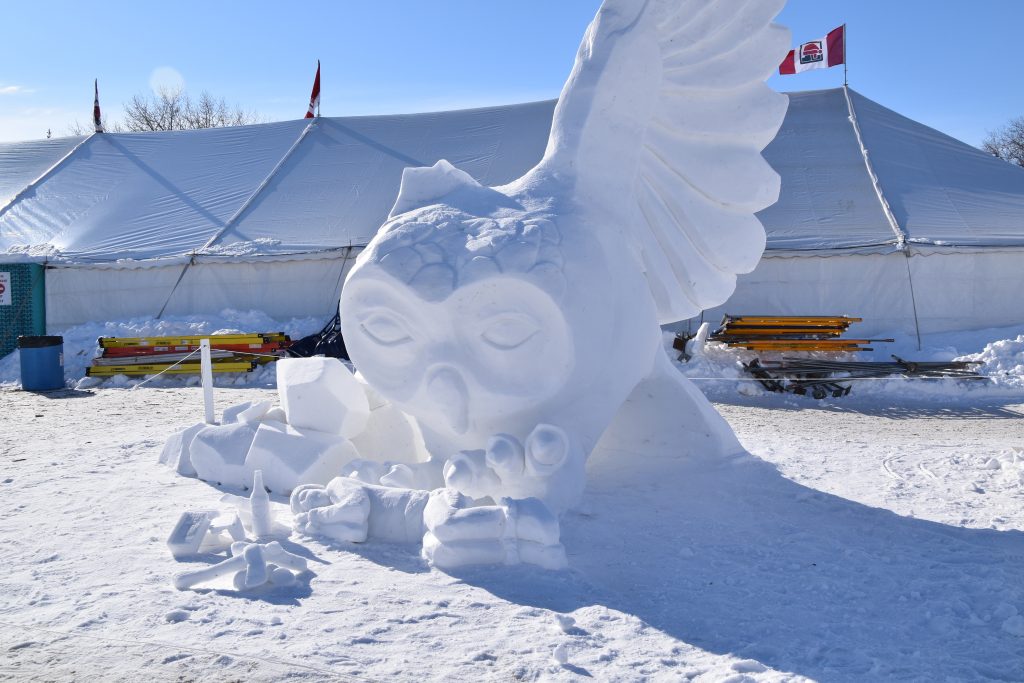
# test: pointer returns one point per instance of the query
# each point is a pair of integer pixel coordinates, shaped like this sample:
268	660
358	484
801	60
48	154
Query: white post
206	367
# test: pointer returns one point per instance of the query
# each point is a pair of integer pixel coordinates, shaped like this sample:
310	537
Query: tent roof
297	187
267	189
941	191
23	162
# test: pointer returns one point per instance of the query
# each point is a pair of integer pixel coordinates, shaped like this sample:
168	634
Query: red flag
817	54
314	98
96	121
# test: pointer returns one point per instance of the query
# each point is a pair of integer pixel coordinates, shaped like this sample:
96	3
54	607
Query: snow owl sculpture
513	322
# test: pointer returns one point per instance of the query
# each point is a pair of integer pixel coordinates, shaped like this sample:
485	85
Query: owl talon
467	472
505	456
547	449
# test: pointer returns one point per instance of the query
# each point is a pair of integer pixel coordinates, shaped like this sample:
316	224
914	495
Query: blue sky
954	66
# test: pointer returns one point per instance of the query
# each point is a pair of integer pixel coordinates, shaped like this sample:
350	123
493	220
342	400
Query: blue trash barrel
42	362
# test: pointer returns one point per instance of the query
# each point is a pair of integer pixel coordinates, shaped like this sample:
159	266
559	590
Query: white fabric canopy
23	162
294	187
340	183
248	191
942	192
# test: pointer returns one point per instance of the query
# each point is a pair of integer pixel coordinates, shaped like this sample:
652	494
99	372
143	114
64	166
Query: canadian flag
817	54
314	98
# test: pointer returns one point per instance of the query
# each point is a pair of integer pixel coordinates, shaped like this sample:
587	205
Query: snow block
276	414
390	435
231	413
218	453
176	451
290	456
189	532
203	531
322	394
250	411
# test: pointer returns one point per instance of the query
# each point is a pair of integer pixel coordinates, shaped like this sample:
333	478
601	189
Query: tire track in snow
889	470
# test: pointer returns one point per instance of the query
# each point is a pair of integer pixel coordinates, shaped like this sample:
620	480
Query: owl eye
386	329
509	331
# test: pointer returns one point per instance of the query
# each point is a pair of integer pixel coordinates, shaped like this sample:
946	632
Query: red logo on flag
811	52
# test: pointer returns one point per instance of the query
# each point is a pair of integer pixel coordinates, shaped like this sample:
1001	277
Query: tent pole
191	260
845	36
341	275
913	299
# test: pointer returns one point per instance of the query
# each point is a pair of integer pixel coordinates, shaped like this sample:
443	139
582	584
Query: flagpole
318	73
845	37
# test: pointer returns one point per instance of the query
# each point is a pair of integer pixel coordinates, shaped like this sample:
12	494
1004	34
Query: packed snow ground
860	541
875	536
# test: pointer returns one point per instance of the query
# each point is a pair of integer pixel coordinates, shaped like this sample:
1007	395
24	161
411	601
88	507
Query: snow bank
1002	360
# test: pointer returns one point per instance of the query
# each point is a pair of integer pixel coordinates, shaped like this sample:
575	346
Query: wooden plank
802	342
792	318
756	331
193	340
155	351
152	369
161	358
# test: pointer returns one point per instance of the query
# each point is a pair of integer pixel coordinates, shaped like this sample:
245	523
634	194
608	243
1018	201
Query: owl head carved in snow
467	314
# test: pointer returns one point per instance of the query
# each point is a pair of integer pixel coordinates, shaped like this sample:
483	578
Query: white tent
879	216
267	216
887	219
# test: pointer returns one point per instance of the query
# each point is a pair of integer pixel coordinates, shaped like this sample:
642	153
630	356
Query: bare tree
207	112
1007	142
79	128
173	109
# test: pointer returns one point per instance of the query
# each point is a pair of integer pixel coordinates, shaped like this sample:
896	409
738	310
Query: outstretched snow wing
659	132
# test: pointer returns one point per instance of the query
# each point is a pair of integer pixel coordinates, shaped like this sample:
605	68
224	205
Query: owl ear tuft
426	185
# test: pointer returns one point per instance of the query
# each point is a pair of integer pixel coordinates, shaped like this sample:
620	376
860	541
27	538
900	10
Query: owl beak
448	391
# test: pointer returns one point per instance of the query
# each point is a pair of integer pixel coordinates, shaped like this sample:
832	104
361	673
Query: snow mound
1002	360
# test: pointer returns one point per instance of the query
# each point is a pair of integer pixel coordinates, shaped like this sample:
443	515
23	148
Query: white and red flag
817	54
97	122
314	98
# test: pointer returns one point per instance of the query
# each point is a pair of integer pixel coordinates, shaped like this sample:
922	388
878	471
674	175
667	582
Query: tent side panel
281	289
956	291
969	291
873	287
79	295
